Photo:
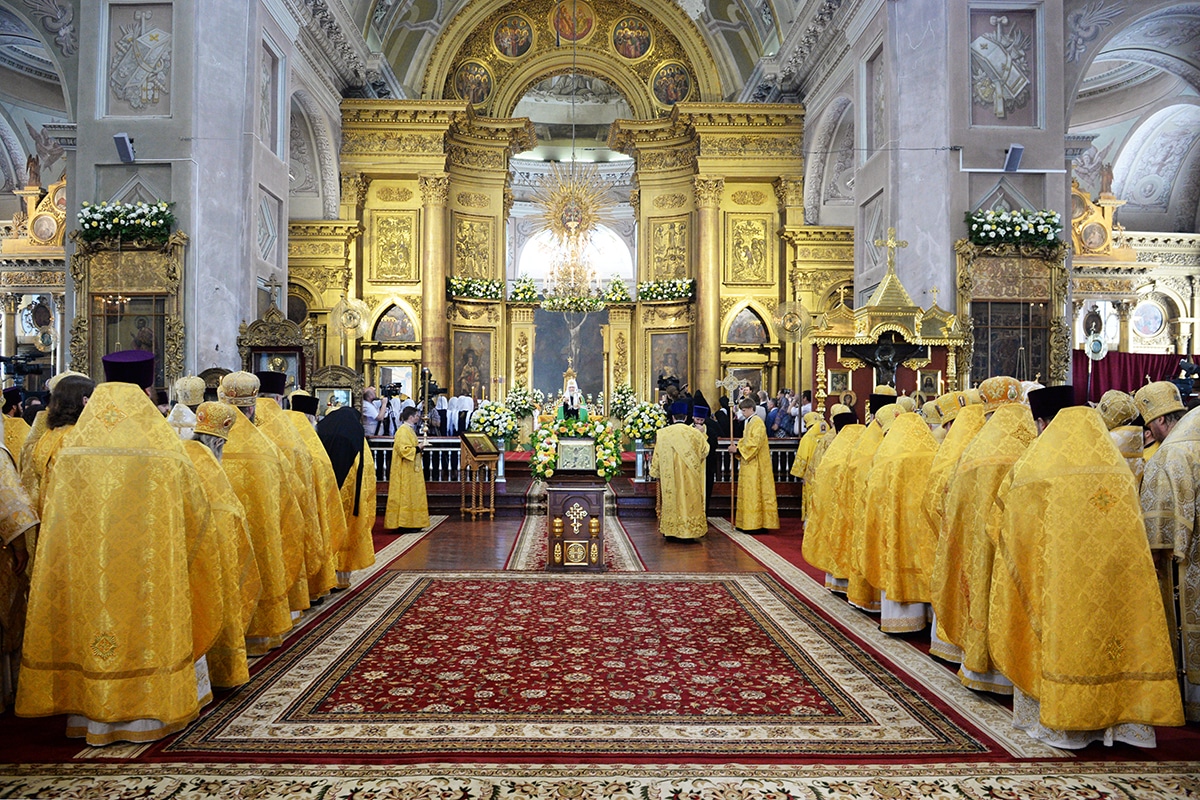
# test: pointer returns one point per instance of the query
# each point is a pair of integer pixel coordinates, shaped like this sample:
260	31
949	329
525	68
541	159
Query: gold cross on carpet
577	515
891	243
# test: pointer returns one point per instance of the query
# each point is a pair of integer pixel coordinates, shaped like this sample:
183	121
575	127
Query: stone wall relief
140	45
1005	67
395	248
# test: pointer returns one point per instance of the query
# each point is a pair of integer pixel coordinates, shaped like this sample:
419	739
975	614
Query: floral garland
524	290
678	289
617	292
495	420
623	401
131	221
581	304
644	421
519	401
545	446
1022	227
475	288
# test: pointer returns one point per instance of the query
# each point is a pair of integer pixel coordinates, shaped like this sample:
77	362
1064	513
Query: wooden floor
465	545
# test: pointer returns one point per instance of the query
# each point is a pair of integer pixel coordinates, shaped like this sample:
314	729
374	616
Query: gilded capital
509	198
10	302
435	189
355	184
635	200
708	191
60	302
790	192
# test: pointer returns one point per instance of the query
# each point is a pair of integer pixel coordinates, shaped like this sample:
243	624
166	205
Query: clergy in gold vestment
859	591
16	430
1118	411
963	566
816	428
17	518
757	508
1077	623
1170	500
240	583
679	454
900	541
341	434
407	505
329	499
255	471
124	596
962	422
317	577
827	532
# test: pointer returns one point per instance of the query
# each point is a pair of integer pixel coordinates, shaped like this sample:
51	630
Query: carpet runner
531	551
649	665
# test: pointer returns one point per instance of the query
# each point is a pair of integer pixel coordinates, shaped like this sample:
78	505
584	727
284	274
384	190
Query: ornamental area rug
977	781
531	551
649	666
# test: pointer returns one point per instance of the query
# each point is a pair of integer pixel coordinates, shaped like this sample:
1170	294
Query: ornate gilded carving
746	197
477	157
521	361
355	185
635	201
751	145
173	349
395	194
30	279
1060	352
668	249
728	303
673	200
708	191
10	302
434	189
472	199
1102	286
509	198
396	252
851	364
472	246
673	314
367	142
789	192
747	252
660	160
302	248
333	376
79	345
275	330
321	277
467	311
621	366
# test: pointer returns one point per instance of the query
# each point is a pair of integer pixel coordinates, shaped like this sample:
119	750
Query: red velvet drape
1124	371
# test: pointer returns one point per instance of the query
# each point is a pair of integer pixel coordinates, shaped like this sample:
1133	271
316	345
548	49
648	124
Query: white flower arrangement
544	460
1022	227
623	401
581	304
523	290
127	221
475	288
519	401
617	292
644	421
495	420
678	289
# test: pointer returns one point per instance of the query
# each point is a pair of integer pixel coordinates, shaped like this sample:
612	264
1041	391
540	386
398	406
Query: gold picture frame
395	247
749	250
838	381
932	377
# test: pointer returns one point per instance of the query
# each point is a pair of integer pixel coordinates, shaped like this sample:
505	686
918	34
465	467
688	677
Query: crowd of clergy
147	557
1053	558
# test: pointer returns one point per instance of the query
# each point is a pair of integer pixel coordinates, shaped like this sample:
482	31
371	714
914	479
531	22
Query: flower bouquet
644	421
519	401
617	292
523	290
545	446
495	420
623	401
1020	227
475	288
130	222
678	289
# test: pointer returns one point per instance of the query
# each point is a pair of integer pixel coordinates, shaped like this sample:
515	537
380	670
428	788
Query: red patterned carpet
647	665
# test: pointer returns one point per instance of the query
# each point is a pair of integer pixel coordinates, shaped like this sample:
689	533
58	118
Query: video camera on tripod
1186	381
21	365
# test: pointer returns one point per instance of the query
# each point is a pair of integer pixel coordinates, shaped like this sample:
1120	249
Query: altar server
680	451
757	508
349	452
407	504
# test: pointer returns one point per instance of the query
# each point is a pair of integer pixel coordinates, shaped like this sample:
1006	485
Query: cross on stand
891	243
576	514
935	291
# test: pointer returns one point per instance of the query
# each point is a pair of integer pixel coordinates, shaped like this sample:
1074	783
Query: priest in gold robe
407	504
963	566
39	422
15	426
317	578
961	421
1087	664
757	507
120	649
815	429
859	591
328	494
1120	413
900	541
680	451
342	435
827	532
240	582
1170	500
256	472
17	519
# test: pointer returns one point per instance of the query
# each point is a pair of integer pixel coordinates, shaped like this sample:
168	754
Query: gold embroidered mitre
1158	399
973	397
998	391
1117	408
189	390
838	408
239	389
931	413
887	415
948	405
884	389
50	384
215	419
906	403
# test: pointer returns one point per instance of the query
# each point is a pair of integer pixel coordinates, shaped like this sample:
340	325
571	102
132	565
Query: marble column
1124	312
10	302
60	329
435	346
707	353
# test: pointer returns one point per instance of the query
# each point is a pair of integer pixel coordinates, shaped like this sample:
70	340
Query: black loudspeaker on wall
1012	157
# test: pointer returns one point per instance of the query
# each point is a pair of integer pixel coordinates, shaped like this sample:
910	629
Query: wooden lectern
576	515
477	452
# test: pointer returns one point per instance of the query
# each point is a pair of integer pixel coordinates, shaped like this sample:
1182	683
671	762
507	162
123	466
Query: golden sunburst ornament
574	201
